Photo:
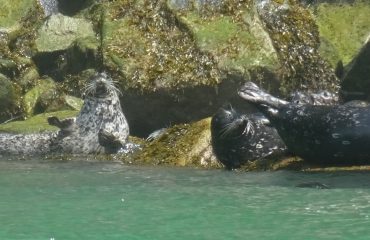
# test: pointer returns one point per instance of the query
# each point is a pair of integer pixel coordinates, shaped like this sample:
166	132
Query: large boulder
65	45
296	39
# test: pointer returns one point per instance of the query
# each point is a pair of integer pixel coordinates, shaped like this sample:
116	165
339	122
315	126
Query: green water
43	201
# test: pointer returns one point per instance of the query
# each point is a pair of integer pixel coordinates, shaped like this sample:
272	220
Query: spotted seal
100	126
323	134
100	116
239	138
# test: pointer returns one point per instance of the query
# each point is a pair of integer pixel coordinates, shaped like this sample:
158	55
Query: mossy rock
32	97
16	39
295	37
9	99
238	44
345	26
37	123
12	11
47	97
137	48
59	32
65	45
181	145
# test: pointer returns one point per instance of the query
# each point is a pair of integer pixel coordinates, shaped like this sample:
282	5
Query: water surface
81	200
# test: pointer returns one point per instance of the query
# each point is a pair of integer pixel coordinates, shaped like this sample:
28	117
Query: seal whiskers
239	138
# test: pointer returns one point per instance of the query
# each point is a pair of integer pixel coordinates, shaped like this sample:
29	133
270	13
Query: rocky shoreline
176	63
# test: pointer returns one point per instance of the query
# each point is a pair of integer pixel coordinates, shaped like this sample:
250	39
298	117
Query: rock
59	32
357	76
11	12
46	97
343	29
295	36
180	145
18	20
8	99
238	42
73	103
28	79
32	97
184	59
35	124
65	45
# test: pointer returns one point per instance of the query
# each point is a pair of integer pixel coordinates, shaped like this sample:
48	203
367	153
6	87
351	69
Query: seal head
239	138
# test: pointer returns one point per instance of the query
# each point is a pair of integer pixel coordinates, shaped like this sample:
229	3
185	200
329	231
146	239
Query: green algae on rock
181	145
11	12
295	37
8	98
345	27
59	32
238	45
145	44
32	97
36	123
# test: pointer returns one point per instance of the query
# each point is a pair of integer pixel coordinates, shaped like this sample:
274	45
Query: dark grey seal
239	138
324	134
101	116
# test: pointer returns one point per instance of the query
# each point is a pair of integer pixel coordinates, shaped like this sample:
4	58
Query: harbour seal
239	138
101	112
101	115
323	134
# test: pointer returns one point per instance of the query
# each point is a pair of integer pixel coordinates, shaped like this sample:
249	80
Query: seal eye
228	114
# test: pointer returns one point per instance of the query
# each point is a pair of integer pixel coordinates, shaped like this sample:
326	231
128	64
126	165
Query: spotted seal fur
324	134
239	138
101	115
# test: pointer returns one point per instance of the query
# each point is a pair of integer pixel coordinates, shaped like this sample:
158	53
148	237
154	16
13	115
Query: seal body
325	134
331	134
239	138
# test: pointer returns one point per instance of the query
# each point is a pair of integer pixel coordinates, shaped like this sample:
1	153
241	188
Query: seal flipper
62	124
110	142
66	126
